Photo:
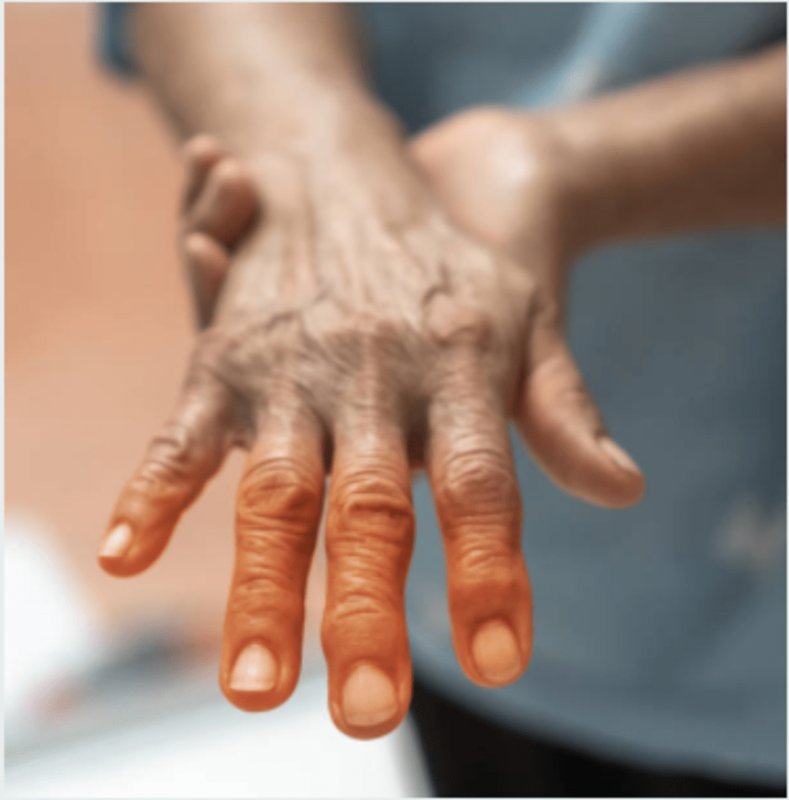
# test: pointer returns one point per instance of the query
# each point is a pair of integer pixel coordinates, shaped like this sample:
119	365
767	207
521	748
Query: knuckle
479	483
272	547
373	328
500	587
367	337
566	393
480	557
228	172
361	609
268	591
200	144
278	493
197	246
210	368
369	501
213	347
176	456
453	322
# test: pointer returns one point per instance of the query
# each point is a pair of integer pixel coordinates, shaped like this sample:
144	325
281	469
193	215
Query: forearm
260	76
699	150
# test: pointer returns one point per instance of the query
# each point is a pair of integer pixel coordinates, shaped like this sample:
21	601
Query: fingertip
630	484
496	654
368	697
201	149
255	670
205	257
200	154
619	456
253	702
116	543
257	680
627	495
584	462
368	704
225	205
133	557
229	172
142	524
117	567
114	548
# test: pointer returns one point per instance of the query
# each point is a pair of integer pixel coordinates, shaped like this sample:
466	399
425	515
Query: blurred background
110	685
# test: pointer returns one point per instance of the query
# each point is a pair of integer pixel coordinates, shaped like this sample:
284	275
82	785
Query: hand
369	337
499	175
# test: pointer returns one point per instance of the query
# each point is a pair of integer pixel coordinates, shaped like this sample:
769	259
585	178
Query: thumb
564	431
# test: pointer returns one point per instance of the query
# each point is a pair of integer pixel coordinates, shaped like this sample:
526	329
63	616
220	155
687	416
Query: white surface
50	630
220	752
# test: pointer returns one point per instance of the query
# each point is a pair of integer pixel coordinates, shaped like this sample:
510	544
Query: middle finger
369	539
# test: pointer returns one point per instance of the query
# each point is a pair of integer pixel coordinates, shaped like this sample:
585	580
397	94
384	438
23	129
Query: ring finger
477	501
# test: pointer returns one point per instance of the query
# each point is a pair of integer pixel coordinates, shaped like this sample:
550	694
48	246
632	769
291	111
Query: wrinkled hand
352	338
498	174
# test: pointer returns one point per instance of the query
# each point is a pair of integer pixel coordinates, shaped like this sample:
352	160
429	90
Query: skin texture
374	316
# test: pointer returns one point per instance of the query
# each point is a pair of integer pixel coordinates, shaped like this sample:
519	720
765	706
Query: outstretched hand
487	166
367	339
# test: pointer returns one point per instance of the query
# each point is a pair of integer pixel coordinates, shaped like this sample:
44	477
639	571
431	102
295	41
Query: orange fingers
188	450
369	540
564	431
277	514
478	506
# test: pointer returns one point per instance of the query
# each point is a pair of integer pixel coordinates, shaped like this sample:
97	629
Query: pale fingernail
117	541
496	653
618	455
368	697
255	670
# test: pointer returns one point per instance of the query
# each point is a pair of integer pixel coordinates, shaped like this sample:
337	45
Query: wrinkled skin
367	339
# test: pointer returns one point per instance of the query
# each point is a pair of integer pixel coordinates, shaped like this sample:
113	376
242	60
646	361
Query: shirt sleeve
113	43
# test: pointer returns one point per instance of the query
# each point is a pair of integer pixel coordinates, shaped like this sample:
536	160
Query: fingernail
368	697
255	670
496	652
117	541
618	455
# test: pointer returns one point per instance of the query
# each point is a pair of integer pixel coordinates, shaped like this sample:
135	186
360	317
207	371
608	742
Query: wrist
309	120
559	173
259	77
594	196
344	151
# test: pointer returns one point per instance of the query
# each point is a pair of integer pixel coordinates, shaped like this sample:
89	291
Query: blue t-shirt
660	631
